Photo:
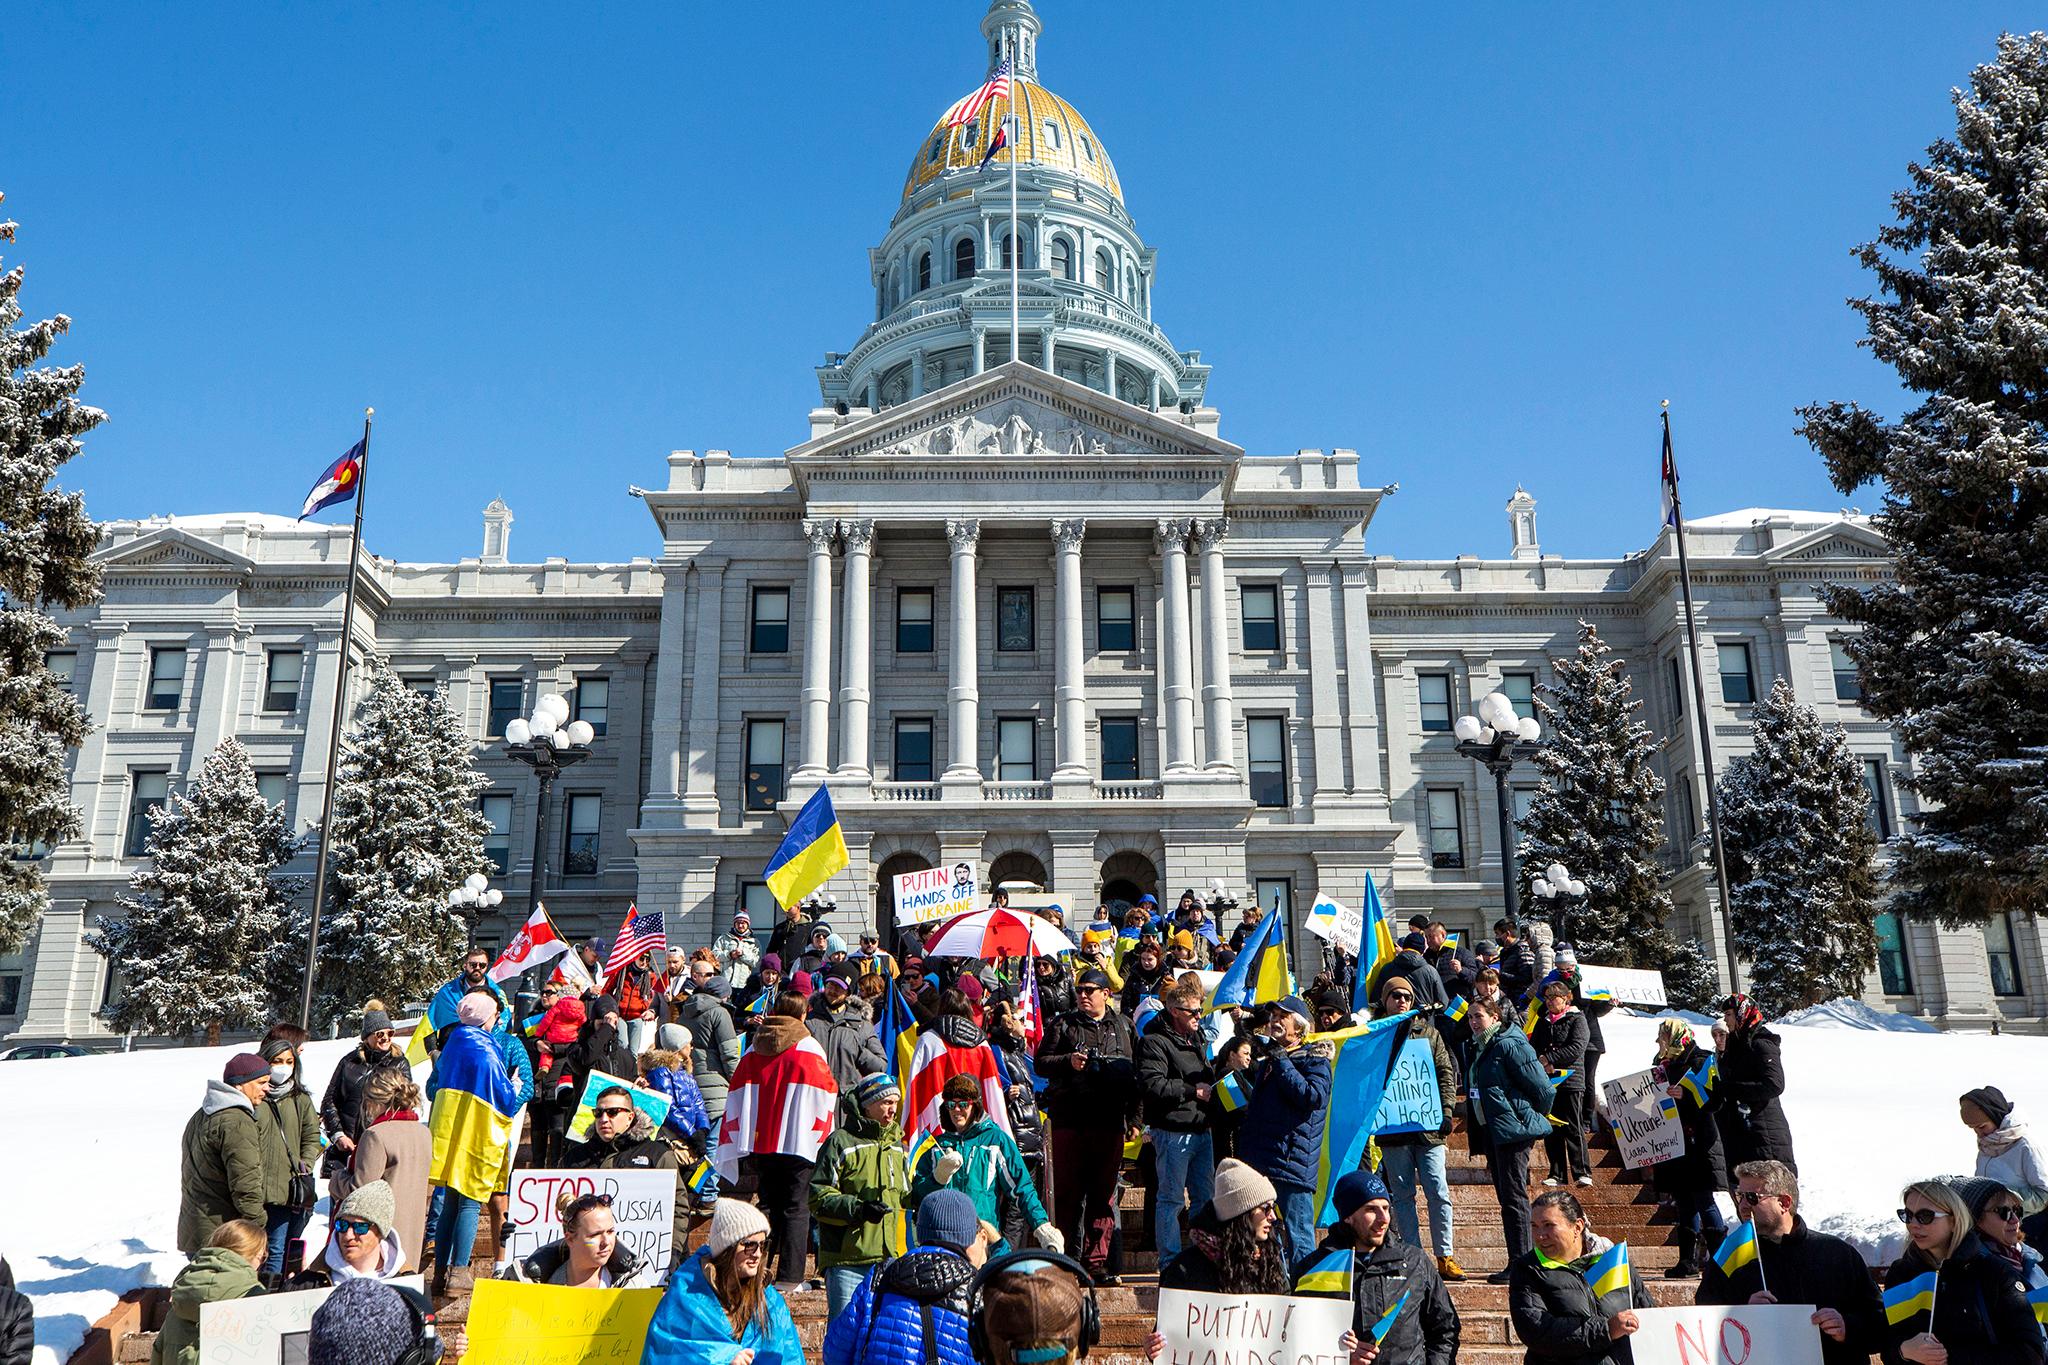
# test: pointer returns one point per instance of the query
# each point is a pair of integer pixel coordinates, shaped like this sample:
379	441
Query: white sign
265	1329
643	1205
1254	1329
934	893
1413	1103
1335	922
1628	985
1749	1334
1644	1118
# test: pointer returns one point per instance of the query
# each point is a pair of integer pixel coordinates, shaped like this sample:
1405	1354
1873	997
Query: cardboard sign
1412	1102
547	1324
1644	1118
934	893
1335	922
1210	1329
1749	1334
1628	985
643	1205
648	1102
265	1329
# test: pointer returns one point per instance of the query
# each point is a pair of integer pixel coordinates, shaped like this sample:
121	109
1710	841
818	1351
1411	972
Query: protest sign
1211	1329
265	1329
643	1205
649	1102
1644	1119
934	893
1628	985
511	1323
1749	1334
1412	1102
1335	922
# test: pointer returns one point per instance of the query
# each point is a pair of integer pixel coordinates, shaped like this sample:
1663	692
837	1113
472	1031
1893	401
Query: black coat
17	1321
1752	1119
1557	1318
1981	1312
1809	1267
1517	968
1427	1331
1561	1044
341	1106
788	939
597	1048
1102	1094
1169	1069
1703	1167
1020	1097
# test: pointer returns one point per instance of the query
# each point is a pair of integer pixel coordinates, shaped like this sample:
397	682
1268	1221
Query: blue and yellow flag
1375	946
1326	1273
1233	1092
2037	1299
1259	974
924	1145
1386	1321
1456	1009
897	1032
1700	1083
1914	1296
1610	1272
1358	1081
1738	1249
472	1116
812	851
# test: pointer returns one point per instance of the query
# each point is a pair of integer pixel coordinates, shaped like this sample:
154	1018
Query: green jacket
220	1174
992	1172
215	1275
861	1162
291	1141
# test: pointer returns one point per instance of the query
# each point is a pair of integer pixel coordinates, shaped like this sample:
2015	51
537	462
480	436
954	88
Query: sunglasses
1088	990
360	1227
1921	1216
613	1112
381	1036
960	1104
1391	995
753	1246
1751	1197
2011	1213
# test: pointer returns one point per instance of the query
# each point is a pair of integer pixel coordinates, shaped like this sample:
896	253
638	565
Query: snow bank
1856	1014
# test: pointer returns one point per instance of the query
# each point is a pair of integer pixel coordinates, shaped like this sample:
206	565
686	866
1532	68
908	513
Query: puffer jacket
291	1141
1283	1125
220	1173
738	956
1981	1312
992	1171
687	1118
341	1106
1753	1123
848	1036
1056	993
862	1164
18	1327
910	1311
1169	1069
626	1269
215	1275
714	1047
1426	1332
1508	1086
1556	1316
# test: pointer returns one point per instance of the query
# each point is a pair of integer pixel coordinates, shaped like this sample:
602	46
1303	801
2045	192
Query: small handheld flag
1700	1084
1739	1249
642	931
2037	1299
1914	1296
1233	1093
1610	1272
337	483
1329	1273
925	1143
1390	1317
811	852
1456	1009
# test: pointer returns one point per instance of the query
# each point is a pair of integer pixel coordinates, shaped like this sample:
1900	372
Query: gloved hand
946	1166
871	1211
1049	1237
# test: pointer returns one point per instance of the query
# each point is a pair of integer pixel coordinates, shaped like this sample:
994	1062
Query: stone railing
1128	791
1016	791
906	791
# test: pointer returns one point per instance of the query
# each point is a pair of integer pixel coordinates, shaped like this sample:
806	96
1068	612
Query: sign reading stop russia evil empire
934	893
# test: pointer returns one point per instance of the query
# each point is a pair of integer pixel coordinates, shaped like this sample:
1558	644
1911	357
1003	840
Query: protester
398	1150
913	1310
1174	1075
1555	1312
1237	1242
474	1096
601	1045
1980	1313
220	1174
588	1254
2006	1152
972	1154
1560	1041
1145	973
341	1106
1995	1213
666	1070
871	960
591	955
18	1322
1382	1269
1055	986
780	1126
291	1145
1033	1313
1088	1061
738	955
1411	1159
720	1298
844	1025
1247	922
859	1190
1795	1264
787	939
225	1268
1594	1008
817	950
361	1241
1020	1097
1282	1132
1752	1077
475	975
632	989
1233	1059
1690	1178
1408	961
1517	961
714	1043
1511	1106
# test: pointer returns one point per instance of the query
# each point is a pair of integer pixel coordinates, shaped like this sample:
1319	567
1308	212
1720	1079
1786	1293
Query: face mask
280	1074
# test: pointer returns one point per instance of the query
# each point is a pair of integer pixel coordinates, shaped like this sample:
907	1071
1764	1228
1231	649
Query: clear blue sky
550	244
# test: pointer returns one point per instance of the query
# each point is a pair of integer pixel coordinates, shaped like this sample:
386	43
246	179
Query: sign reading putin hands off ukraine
935	893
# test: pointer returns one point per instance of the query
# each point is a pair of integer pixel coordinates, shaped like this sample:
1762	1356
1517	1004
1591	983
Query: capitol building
1025	606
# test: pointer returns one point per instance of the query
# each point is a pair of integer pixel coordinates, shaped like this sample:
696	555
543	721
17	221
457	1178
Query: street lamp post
1560	888
1498	739
547	743
472	898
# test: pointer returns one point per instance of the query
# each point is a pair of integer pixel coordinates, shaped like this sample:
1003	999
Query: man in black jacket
1800	1266
1092	1101
1173	1074
1517	964
341	1107
1383	1268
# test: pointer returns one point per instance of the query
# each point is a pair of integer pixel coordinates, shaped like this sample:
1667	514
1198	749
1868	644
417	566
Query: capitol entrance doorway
1125	877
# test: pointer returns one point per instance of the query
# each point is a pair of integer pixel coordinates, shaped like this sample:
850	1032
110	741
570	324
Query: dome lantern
1012	28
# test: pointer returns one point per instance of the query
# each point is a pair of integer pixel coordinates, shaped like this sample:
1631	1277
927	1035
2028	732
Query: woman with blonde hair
719	1305
1977	1312
396	1148
224	1269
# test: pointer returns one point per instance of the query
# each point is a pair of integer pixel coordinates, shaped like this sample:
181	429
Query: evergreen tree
1691	980
45	541
1955	651
1801	876
206	910
1600	809
406	832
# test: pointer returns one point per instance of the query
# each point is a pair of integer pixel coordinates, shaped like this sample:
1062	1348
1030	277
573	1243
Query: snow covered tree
1691	981
1954	651
206	910
1600	808
1802	879
406	832
45	541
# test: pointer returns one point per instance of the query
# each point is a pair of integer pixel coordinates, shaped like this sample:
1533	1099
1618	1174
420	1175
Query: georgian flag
337	484
535	943
780	1103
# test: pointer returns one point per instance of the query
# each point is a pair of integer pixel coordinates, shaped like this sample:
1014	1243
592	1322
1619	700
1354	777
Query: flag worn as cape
690	1325
933	1064
471	1119
780	1102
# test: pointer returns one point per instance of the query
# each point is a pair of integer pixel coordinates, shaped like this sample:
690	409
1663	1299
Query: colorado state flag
813	850
337	483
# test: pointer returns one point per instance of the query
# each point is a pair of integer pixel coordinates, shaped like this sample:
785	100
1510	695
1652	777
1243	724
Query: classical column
917	372
1154	388
962	692
858	537
874	394
1070	697
1045	351
1109	372
665	741
1217	711
980	348
1177	661
817	691
700	782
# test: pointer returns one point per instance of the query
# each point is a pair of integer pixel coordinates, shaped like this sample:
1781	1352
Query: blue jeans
1187	1171
454	1229
1298	1211
282	1225
840	1282
1401	1167
1698	1212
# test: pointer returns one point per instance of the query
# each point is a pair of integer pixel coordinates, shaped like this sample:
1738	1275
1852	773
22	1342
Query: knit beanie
733	1220
771	962
603	1005
671	1037
1977	1192
245	1067
1393	981
1992	1101
970	986
946	1218
1357	1189
374	1021
363	1322
873	1087
374	1201
834	944
802	982
1239	1188
477	1009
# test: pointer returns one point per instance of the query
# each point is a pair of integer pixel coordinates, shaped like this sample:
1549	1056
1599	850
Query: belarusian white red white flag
535	943
779	1102
933	1064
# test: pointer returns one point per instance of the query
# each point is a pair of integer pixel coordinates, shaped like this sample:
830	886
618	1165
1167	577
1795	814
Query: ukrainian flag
2037	1299
1328	1273
1375	946
472	1116
1456	1009
1700	1084
1390	1317
897	1032
1358	1080
924	1146
1610	1272
1914	1296
813	850
416	1046
1739	1249
1233	1093
1259	973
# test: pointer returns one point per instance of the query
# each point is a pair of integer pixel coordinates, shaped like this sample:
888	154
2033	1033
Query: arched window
1063	258
1009	247
970	135
1130	285
1087	147
963	259
1052	134
1105	272
924	271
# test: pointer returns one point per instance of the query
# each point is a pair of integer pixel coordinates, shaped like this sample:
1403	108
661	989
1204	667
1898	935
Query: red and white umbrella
995	931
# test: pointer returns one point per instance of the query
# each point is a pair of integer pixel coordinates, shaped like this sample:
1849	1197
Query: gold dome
1054	134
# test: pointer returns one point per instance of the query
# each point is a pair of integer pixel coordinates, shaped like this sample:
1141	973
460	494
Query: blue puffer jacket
686	1116
1283	1125
885	1321
1512	1092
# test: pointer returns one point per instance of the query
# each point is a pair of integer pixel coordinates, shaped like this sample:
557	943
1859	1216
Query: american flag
997	86
642	932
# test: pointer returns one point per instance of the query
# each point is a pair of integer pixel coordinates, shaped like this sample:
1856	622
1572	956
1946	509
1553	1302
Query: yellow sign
546	1324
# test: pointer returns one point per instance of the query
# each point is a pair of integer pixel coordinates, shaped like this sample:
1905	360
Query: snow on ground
1856	1014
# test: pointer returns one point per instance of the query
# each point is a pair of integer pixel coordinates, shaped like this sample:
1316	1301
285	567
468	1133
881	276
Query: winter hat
1414	942
1977	1192
245	1067
1148	899
771	962
1357	1189
671	1037
817	929
733	1220
1334	999
1564	952
1486	947
802	982
875	1086
1239	1189
363	1322
1032	1312
1181	938
834	944
717	987
603	1005
374	1201
477	1009
961	1086
842	972
1391	982
970	986
946	1218
375	1021
1992	1101
742	917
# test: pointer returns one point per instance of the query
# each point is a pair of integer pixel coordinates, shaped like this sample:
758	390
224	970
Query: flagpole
1699	696
1016	238
348	621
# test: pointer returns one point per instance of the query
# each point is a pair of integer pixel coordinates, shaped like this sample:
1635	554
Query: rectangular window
273	787
166	679
1017	749
593	702
1674	681
2005	962
1434	690
508	699
146	792
768	626
425	686
1520	688
10	993
759	903
1880	797
1260	605
1894	972
1446	828
914	621
1738	683
1266	750
1016	624
63	664
281	680
1848	682
1688	817
913	751
764	764
580	817
1120	749
496	808
1116	620
1275	893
